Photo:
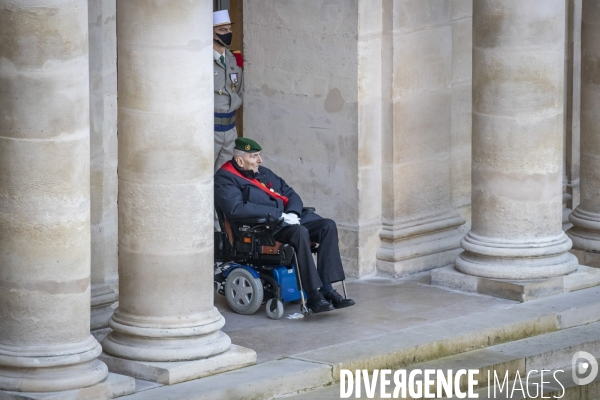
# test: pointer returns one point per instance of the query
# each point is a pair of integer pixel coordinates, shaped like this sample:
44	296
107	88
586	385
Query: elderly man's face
250	161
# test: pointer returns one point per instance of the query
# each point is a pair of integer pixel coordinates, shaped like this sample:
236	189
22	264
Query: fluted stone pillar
166	311
103	155
586	217
572	110
518	65
45	341
419	223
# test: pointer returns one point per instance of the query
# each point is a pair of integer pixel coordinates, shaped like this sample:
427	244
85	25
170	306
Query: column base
101	334
113	386
68	366
419	245
104	302
500	258
418	263
158	340
518	290
587	258
585	232
585	235
169	373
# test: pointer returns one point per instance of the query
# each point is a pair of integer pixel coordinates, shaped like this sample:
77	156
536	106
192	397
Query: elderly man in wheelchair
266	228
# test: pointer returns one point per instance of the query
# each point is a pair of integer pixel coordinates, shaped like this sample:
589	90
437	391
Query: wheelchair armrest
249	221
305	209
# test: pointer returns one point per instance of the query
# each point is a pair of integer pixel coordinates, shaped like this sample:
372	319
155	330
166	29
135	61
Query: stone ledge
551	351
431	341
420	253
587	258
113	386
263	381
169	373
548	351
518	290
459	334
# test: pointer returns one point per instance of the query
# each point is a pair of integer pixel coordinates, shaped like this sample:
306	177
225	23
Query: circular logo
247	147
588	367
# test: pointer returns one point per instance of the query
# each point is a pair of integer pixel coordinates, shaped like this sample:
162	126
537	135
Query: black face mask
225	39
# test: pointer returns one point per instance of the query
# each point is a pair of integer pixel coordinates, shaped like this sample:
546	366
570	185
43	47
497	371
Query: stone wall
301	103
103	153
365	108
419	220
374	122
461	15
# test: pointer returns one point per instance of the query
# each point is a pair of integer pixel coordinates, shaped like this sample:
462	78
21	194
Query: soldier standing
229	87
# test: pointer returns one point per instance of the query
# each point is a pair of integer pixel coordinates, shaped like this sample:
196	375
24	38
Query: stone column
586	217
572	110
103	154
462	74
166	310
518	65
419	223
45	341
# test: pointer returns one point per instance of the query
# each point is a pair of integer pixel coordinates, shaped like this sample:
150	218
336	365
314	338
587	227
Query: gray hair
238	153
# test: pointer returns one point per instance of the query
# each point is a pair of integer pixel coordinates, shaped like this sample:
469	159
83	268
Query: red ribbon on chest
230	168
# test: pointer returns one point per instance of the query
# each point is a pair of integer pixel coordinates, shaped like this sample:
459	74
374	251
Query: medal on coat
234	81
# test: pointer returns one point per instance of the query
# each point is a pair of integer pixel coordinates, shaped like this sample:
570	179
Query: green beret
247	145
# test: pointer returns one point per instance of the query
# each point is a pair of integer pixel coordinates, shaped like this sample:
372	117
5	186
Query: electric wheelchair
251	268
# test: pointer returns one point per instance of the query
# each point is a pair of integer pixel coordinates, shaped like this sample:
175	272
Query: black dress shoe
317	303
337	300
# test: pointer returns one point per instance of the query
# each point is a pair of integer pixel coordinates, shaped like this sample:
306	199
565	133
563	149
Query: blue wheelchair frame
284	276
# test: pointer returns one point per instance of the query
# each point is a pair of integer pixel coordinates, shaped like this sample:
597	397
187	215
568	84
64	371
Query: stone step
111	387
461	334
261	381
401	349
570	390
550	352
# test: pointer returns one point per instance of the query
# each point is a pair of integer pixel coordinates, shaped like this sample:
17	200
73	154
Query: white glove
291	218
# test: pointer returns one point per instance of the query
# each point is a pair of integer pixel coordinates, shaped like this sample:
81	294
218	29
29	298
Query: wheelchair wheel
274	309
243	291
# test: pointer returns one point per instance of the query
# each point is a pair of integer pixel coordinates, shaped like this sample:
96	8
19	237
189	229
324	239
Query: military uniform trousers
329	263
224	143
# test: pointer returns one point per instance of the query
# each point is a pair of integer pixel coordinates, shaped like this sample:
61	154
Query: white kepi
221	18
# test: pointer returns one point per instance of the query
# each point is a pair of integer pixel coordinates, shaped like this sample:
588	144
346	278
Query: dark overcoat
238	198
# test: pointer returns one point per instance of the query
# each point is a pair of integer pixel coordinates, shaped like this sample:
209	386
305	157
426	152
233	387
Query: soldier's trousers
224	144
329	263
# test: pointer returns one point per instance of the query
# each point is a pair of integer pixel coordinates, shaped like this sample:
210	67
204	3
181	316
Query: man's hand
291	219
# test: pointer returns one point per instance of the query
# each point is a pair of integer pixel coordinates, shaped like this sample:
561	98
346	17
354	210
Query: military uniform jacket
239	198
228	93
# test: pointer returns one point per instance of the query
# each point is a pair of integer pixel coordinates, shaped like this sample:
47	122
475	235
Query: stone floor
394	323
382	306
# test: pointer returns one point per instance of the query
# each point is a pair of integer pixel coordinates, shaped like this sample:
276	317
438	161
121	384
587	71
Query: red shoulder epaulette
239	58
